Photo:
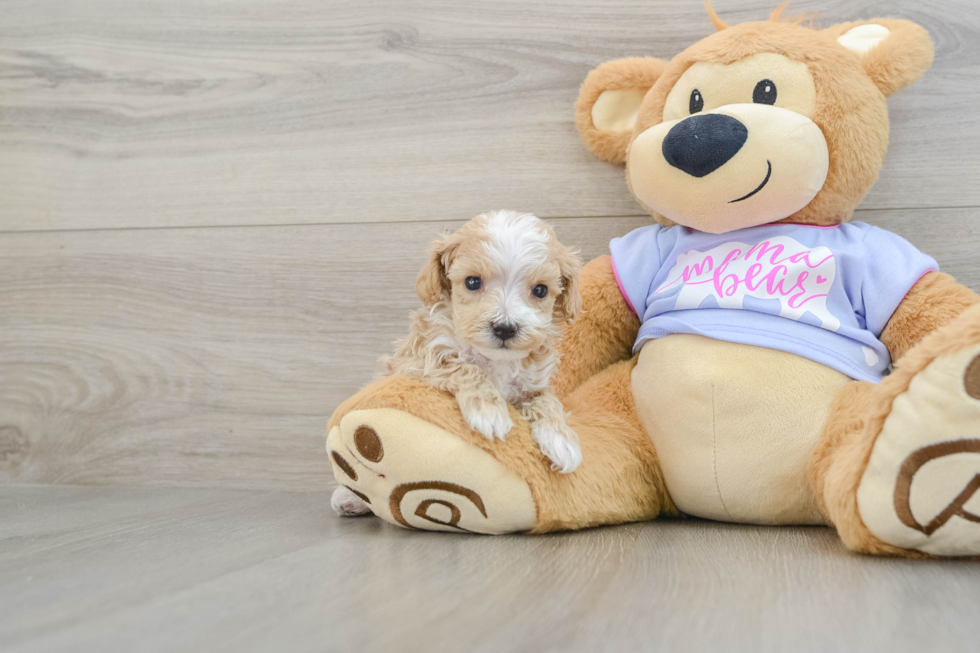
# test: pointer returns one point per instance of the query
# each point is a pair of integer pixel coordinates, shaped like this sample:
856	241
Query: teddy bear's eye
474	283
540	291
765	92
697	102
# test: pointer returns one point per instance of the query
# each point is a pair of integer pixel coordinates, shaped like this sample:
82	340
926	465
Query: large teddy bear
732	360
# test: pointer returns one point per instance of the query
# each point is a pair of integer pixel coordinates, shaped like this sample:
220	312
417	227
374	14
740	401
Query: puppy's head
510	283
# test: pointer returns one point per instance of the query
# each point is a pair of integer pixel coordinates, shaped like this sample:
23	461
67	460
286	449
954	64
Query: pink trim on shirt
621	288
811	226
929	271
920	277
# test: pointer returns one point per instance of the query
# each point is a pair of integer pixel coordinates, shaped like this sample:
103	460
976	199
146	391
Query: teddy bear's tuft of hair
776	17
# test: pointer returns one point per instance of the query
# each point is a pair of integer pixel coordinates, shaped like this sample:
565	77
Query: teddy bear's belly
734	426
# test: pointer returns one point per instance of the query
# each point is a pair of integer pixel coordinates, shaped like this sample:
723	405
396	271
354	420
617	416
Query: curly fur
451	343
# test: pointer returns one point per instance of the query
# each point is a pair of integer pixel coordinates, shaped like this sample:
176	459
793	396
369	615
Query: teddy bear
753	355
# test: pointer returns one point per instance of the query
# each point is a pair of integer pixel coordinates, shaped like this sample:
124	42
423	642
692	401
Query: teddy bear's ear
894	53
609	102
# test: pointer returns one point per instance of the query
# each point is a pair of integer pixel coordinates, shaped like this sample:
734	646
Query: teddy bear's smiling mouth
761	186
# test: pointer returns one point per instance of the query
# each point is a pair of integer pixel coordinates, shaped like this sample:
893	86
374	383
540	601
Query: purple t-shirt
825	293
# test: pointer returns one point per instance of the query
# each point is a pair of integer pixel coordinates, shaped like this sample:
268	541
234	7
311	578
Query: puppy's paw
347	504
559	443
487	415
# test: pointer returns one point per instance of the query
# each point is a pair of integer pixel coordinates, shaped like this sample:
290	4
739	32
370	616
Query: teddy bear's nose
699	145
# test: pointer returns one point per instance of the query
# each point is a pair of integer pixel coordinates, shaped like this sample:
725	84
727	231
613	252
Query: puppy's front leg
557	440
484	409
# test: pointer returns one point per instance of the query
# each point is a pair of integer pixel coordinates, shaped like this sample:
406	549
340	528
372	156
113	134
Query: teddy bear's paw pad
417	475
921	489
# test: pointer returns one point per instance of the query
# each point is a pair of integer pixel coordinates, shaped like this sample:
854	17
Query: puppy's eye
474	283
697	101
765	92
540	291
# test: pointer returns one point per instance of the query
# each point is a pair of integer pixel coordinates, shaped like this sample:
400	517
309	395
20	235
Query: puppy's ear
433	279
609	102
569	302
893	52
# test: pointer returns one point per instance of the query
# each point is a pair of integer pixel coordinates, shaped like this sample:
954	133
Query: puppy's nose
699	145
504	330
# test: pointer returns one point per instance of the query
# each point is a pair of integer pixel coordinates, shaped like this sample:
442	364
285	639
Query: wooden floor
213	211
153	569
212	216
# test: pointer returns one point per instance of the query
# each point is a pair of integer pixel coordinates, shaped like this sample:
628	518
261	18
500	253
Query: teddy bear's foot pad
921	489
417	475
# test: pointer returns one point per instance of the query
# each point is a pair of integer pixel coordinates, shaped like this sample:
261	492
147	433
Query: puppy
497	294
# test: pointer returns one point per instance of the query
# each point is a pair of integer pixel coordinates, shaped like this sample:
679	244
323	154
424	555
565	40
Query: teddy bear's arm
604	332
934	301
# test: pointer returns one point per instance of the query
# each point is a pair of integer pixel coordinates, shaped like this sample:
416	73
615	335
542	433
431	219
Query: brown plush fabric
604	332
901	59
935	301
856	419
621	74
851	110
619	480
622	480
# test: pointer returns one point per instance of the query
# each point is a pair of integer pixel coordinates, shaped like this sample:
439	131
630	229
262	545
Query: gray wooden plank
221	570
212	357
202	357
190	112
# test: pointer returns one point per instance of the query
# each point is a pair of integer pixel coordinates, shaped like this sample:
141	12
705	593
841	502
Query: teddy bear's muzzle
738	166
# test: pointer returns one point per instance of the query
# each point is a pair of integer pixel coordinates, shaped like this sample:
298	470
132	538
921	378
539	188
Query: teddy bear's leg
898	468
405	450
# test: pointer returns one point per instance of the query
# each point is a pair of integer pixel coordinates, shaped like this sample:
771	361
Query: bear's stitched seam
714	453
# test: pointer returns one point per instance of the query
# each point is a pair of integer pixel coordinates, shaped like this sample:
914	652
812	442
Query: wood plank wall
213	212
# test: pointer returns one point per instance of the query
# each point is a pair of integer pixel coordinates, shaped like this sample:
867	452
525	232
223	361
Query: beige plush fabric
857	419
717	429
616	110
848	106
450	486
619	480
919	490
734	426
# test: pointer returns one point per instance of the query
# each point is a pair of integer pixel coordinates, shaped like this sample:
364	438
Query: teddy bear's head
760	122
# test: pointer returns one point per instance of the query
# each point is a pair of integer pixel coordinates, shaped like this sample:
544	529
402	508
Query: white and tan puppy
497	294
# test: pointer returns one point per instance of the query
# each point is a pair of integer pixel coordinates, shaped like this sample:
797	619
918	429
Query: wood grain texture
205	112
213	356
212	217
118	569
201	356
